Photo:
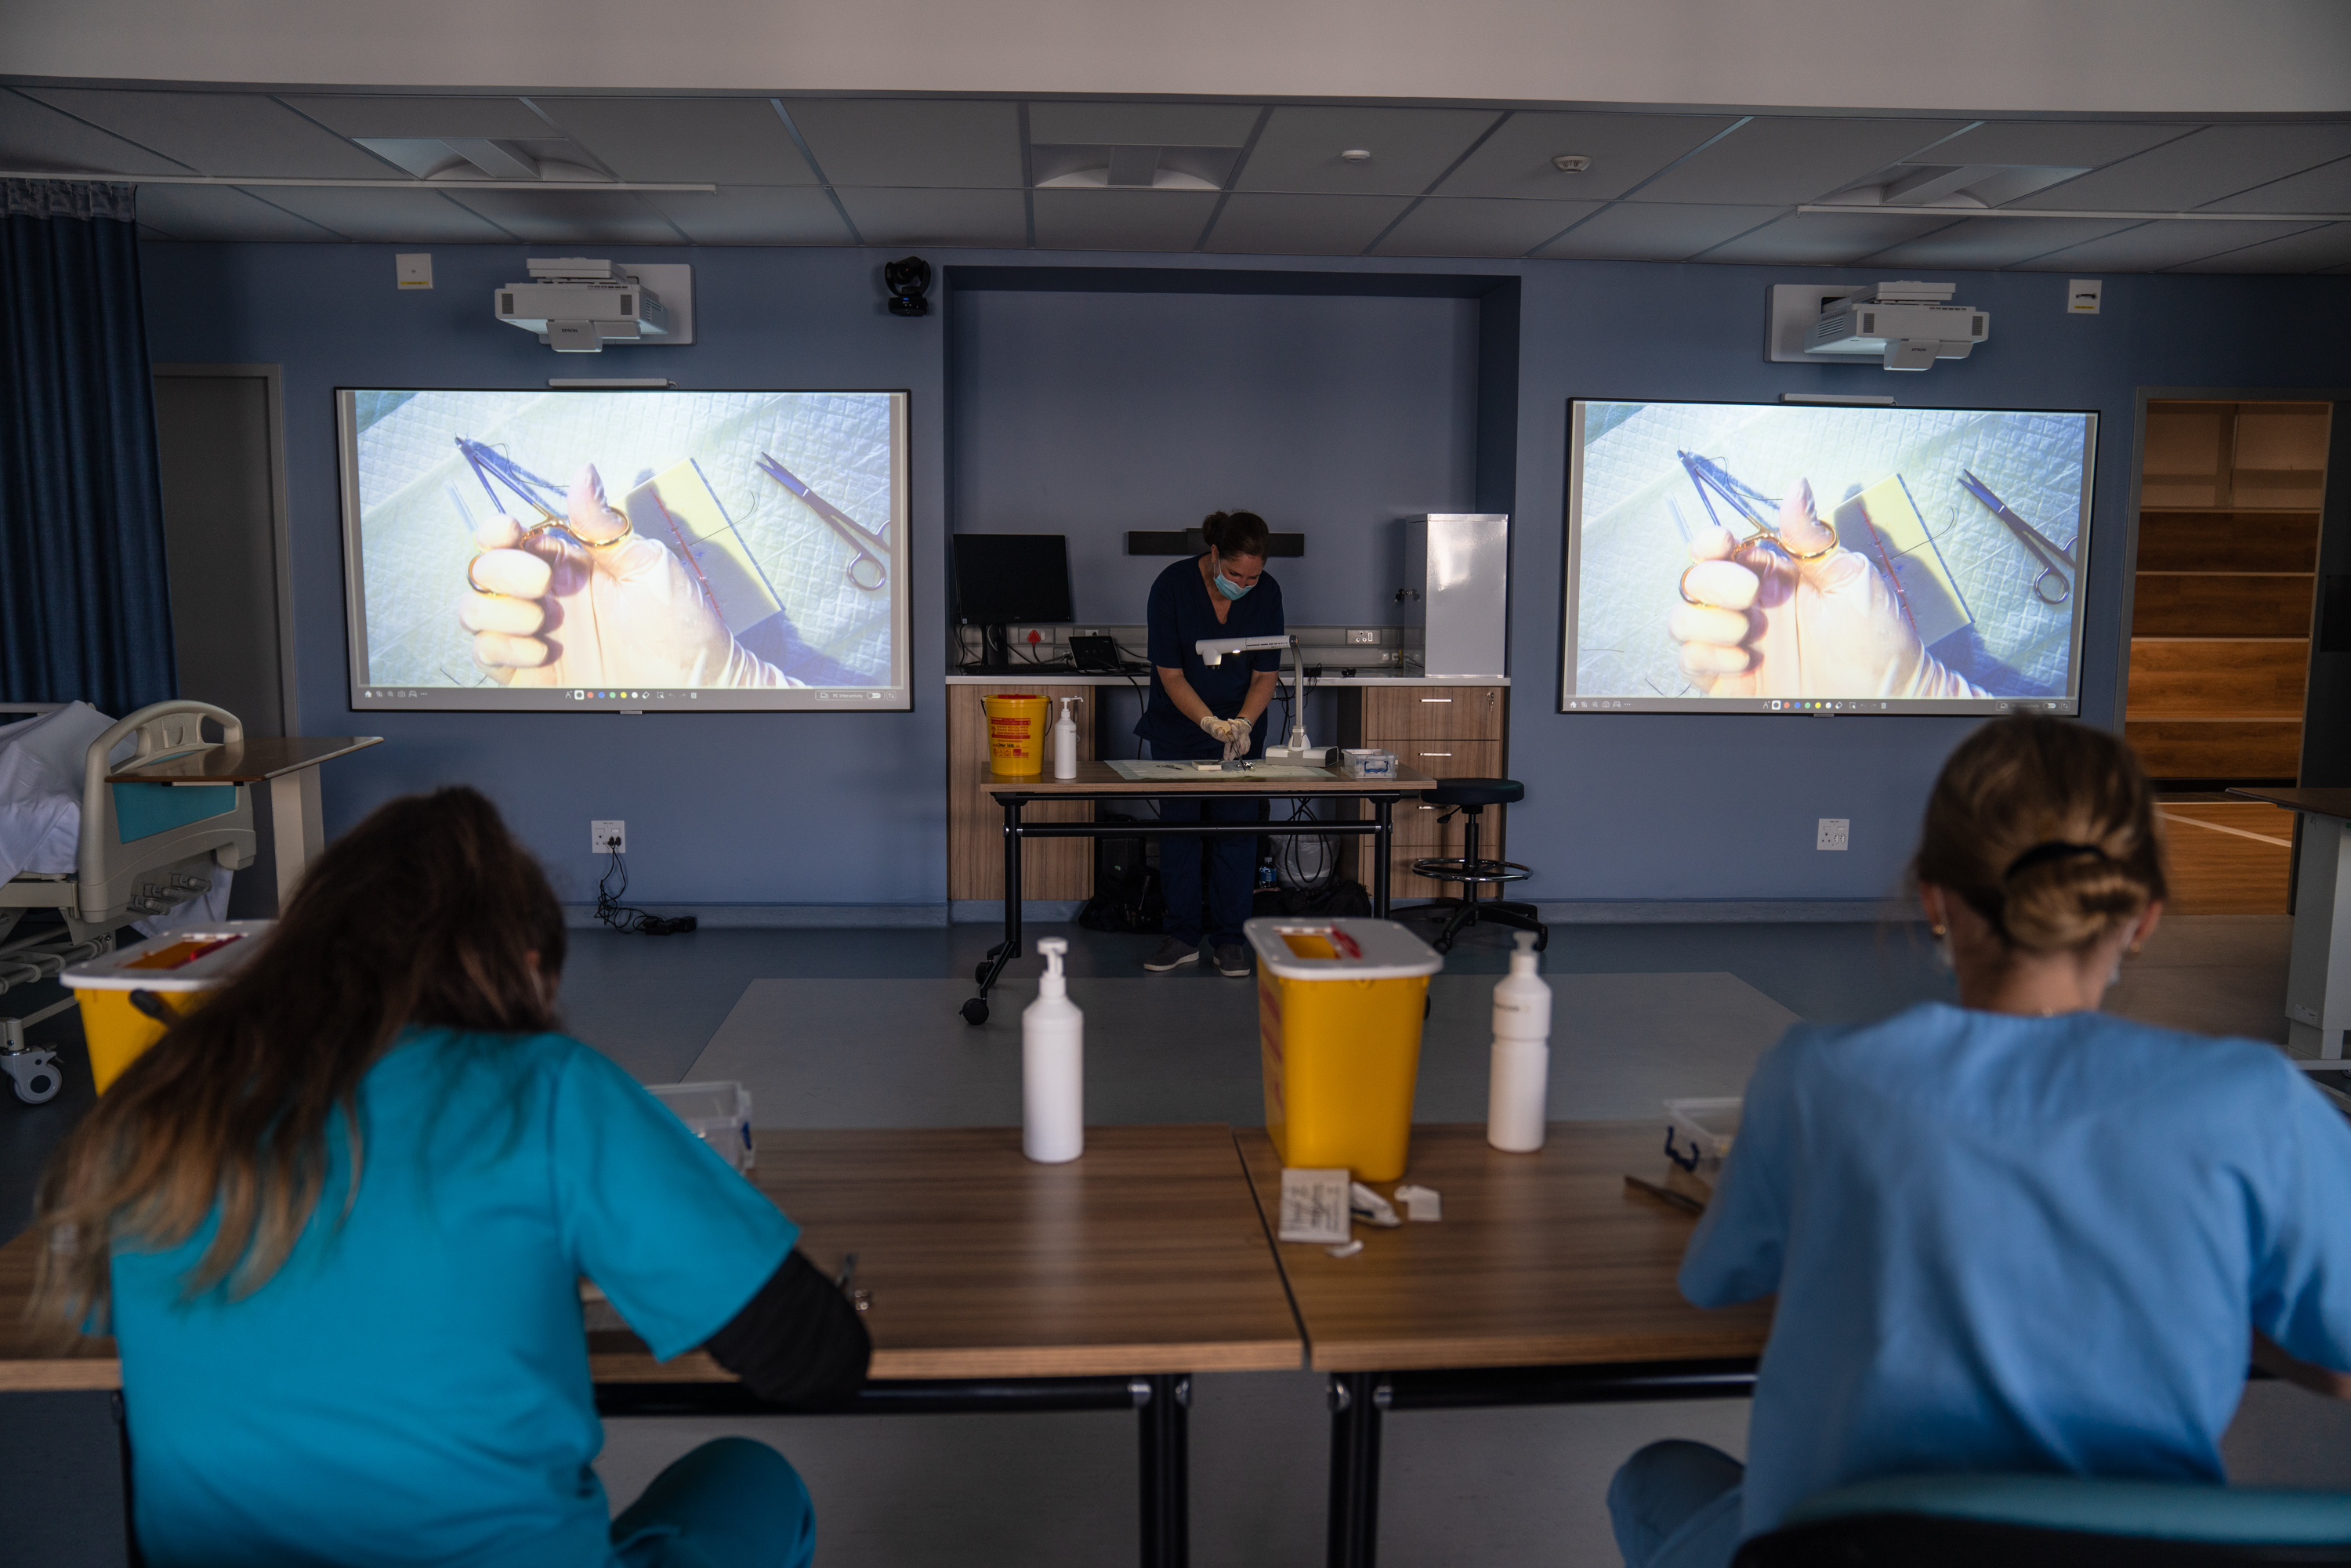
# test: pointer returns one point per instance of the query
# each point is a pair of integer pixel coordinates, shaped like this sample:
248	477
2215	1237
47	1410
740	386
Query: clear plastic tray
1700	1132
1367	764
719	1114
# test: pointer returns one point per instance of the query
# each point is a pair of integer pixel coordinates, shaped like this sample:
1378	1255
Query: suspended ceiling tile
2312	250
932	143
1481	226
753	214
35	136
566	217
501	119
898	215
1657	231
221	212
218	132
1122	220
1625	150
1789	160
1143	124
2152	246
1995	242
1409	148
2326	189
2219	160
386	217
1301	225
722	140
2053	143
1824	239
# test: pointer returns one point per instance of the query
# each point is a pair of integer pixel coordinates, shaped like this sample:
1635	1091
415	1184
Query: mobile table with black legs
1546	1282
1101	781
992	1283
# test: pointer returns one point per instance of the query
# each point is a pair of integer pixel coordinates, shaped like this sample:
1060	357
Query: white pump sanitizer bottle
1065	741
1053	1066
1519	1089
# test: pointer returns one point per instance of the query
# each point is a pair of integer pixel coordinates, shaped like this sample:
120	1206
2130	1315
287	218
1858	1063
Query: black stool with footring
1471	797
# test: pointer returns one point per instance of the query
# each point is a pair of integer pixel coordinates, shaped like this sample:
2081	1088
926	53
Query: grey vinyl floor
859	1027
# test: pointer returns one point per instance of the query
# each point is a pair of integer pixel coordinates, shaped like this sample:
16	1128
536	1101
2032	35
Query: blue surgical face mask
1226	586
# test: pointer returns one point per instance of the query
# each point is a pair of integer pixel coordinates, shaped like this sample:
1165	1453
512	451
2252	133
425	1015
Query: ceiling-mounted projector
576	305
1904	325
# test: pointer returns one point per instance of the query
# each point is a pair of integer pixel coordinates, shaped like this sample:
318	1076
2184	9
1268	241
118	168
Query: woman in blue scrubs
2015	1235
1193	711
350	1202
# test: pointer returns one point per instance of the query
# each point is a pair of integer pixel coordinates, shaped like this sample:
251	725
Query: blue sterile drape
85	609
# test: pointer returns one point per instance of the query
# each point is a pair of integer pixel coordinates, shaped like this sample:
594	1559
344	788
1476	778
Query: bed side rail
168	823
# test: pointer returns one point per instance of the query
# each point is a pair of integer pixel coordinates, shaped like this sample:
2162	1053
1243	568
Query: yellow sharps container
1339	1008
122	992
1017	733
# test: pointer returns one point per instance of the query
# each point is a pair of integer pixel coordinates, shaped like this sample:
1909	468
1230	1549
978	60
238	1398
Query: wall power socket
1362	637
1835	832
607	835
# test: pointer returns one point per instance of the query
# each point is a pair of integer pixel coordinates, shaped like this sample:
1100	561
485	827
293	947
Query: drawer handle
1437	699
1437	754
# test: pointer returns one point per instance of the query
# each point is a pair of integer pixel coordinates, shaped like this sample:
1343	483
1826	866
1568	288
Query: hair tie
2055	850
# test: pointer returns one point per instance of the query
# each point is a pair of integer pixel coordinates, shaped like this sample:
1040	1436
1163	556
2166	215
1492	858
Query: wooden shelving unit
2228	553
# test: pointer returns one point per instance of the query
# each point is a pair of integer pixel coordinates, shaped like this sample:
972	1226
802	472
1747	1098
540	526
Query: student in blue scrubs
2015	1235
1195	710
352	1200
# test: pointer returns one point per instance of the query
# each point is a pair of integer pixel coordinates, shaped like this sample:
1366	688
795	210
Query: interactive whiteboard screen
590	551
1745	558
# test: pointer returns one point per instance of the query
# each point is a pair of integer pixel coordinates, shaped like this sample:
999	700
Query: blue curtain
85	607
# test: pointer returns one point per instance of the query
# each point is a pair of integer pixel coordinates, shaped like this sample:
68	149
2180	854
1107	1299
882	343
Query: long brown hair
2047	829
427	913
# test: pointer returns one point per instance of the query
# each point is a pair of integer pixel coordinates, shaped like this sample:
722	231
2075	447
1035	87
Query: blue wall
825	809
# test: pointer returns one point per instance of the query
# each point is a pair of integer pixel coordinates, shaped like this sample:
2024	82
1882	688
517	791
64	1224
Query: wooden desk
1543	1264
1101	781
996	1284
288	764
2318	976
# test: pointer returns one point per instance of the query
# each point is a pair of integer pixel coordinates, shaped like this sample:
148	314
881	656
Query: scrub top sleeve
1164	639
1740	1242
1273	626
2302	1280
671	1233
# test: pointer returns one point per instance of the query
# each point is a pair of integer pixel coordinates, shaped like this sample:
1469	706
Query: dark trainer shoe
1172	954
1233	961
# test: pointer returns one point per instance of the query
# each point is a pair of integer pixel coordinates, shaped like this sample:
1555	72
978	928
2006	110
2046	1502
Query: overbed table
1546	1282
288	765
2318	977
996	1284
1101	781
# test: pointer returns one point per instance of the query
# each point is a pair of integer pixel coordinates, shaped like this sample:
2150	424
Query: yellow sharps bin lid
1342	950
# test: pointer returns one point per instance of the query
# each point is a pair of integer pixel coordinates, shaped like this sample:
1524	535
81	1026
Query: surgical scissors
488	463
863	543
2054	559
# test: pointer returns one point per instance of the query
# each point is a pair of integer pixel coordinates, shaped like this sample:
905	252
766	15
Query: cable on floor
627	919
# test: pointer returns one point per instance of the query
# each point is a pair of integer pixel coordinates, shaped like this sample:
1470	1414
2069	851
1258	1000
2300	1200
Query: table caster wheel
37	1076
1443	944
975	1011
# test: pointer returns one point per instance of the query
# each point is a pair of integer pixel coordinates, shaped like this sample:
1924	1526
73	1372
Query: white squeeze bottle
1053	1066
1065	744
1518	1088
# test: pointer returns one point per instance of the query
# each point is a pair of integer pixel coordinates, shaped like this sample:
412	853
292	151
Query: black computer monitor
1004	578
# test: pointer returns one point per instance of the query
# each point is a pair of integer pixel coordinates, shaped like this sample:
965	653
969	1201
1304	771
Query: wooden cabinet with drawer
1445	732
1050	868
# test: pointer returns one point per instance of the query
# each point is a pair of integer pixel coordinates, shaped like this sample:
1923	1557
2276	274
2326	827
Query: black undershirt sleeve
799	1342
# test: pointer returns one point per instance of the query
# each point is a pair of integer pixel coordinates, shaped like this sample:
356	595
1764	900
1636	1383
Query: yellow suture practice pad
1882	524
678	507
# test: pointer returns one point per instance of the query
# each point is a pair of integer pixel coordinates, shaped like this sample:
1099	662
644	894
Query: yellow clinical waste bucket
1338	1008
174	972
1016	733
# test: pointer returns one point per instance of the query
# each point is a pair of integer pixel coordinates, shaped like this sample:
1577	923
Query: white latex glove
1221	729
1764	625
569	609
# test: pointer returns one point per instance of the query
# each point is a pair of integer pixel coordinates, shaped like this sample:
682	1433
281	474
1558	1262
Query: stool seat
1475	793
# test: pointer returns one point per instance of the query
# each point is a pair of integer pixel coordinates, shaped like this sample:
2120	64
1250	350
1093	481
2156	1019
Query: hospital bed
142	851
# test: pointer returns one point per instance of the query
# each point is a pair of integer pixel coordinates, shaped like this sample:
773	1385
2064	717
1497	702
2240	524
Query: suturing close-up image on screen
597	551
1761	557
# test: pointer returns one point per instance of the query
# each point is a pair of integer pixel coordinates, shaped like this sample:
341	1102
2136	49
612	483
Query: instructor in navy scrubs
1195	708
